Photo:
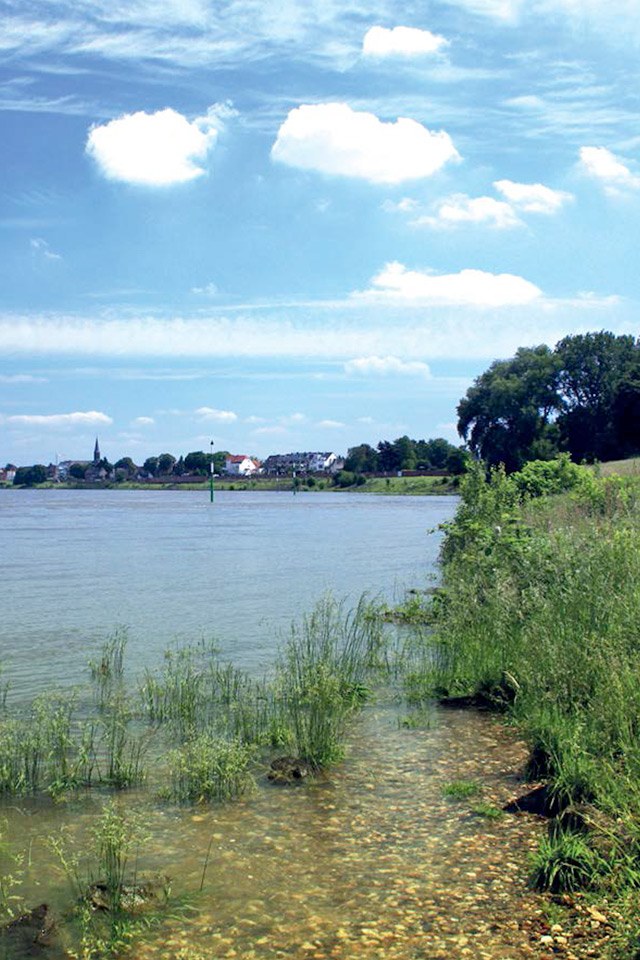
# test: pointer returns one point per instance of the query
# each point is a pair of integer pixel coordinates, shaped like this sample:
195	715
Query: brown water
373	861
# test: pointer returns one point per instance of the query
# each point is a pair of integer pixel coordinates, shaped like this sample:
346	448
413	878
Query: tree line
406	454
582	398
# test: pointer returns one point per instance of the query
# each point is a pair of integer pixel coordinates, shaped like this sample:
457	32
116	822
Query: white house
322	462
240	466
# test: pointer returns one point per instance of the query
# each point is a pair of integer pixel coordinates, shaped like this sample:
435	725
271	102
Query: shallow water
373	861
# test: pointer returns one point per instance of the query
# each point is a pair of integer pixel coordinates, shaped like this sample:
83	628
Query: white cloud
533	197
406	205
154	149
331	424
382	366
401	41
42	248
293	418
90	418
461	209
21	378
210	290
468	287
378	323
604	166
219	416
270	431
504	10
142	422
334	139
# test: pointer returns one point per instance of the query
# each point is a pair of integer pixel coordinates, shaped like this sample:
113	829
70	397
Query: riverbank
537	620
392	486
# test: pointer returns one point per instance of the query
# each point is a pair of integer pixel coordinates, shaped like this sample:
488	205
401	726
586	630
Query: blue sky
303	223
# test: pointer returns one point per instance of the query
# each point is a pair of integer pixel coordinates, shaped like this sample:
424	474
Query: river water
372	860
170	566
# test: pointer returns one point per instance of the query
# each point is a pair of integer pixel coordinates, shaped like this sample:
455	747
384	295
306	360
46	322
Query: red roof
236	459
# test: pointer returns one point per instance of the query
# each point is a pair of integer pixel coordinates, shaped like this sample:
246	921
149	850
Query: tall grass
540	615
323	673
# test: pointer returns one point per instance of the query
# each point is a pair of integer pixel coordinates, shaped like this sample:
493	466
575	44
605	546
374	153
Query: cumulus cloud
153	149
401	41
334	139
382	366
533	197
331	424
604	166
142	422
78	418
466	288
461	209
218	416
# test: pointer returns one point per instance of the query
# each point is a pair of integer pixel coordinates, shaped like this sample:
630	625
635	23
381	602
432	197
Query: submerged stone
288	770
28	935
148	892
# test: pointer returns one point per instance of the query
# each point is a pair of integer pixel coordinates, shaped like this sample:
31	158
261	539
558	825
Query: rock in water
27	935
288	770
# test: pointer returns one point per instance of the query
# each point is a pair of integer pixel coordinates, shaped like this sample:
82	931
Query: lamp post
211	475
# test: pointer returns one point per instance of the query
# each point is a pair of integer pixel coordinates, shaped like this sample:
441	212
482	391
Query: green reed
323	674
122	753
107	671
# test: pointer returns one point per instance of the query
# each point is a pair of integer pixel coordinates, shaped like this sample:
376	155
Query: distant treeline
581	398
406	454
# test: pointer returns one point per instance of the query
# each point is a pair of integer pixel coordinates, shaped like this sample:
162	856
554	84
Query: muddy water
374	861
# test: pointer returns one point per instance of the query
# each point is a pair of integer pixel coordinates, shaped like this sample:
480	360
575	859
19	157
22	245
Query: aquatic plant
121	753
322	676
461	789
209	768
107	671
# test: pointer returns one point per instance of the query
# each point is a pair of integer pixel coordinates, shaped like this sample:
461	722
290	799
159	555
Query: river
170	566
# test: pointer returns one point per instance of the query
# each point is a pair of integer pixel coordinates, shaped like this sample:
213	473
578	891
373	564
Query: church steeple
96	453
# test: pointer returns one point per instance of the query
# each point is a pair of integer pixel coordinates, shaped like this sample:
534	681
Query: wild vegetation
538	618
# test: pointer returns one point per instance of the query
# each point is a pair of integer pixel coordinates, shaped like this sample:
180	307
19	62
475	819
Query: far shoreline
391	486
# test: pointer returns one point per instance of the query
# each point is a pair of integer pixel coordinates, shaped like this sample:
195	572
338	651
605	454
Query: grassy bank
538	618
396	486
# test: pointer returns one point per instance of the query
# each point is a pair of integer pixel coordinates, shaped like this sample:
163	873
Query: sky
287	225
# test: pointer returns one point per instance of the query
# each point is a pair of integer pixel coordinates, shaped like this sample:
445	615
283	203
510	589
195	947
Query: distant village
403	455
191	468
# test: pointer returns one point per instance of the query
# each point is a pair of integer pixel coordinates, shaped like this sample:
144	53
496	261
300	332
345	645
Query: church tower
96	453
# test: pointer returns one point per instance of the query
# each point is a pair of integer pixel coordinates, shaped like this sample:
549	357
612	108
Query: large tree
361	459
505	416
598	382
582	397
